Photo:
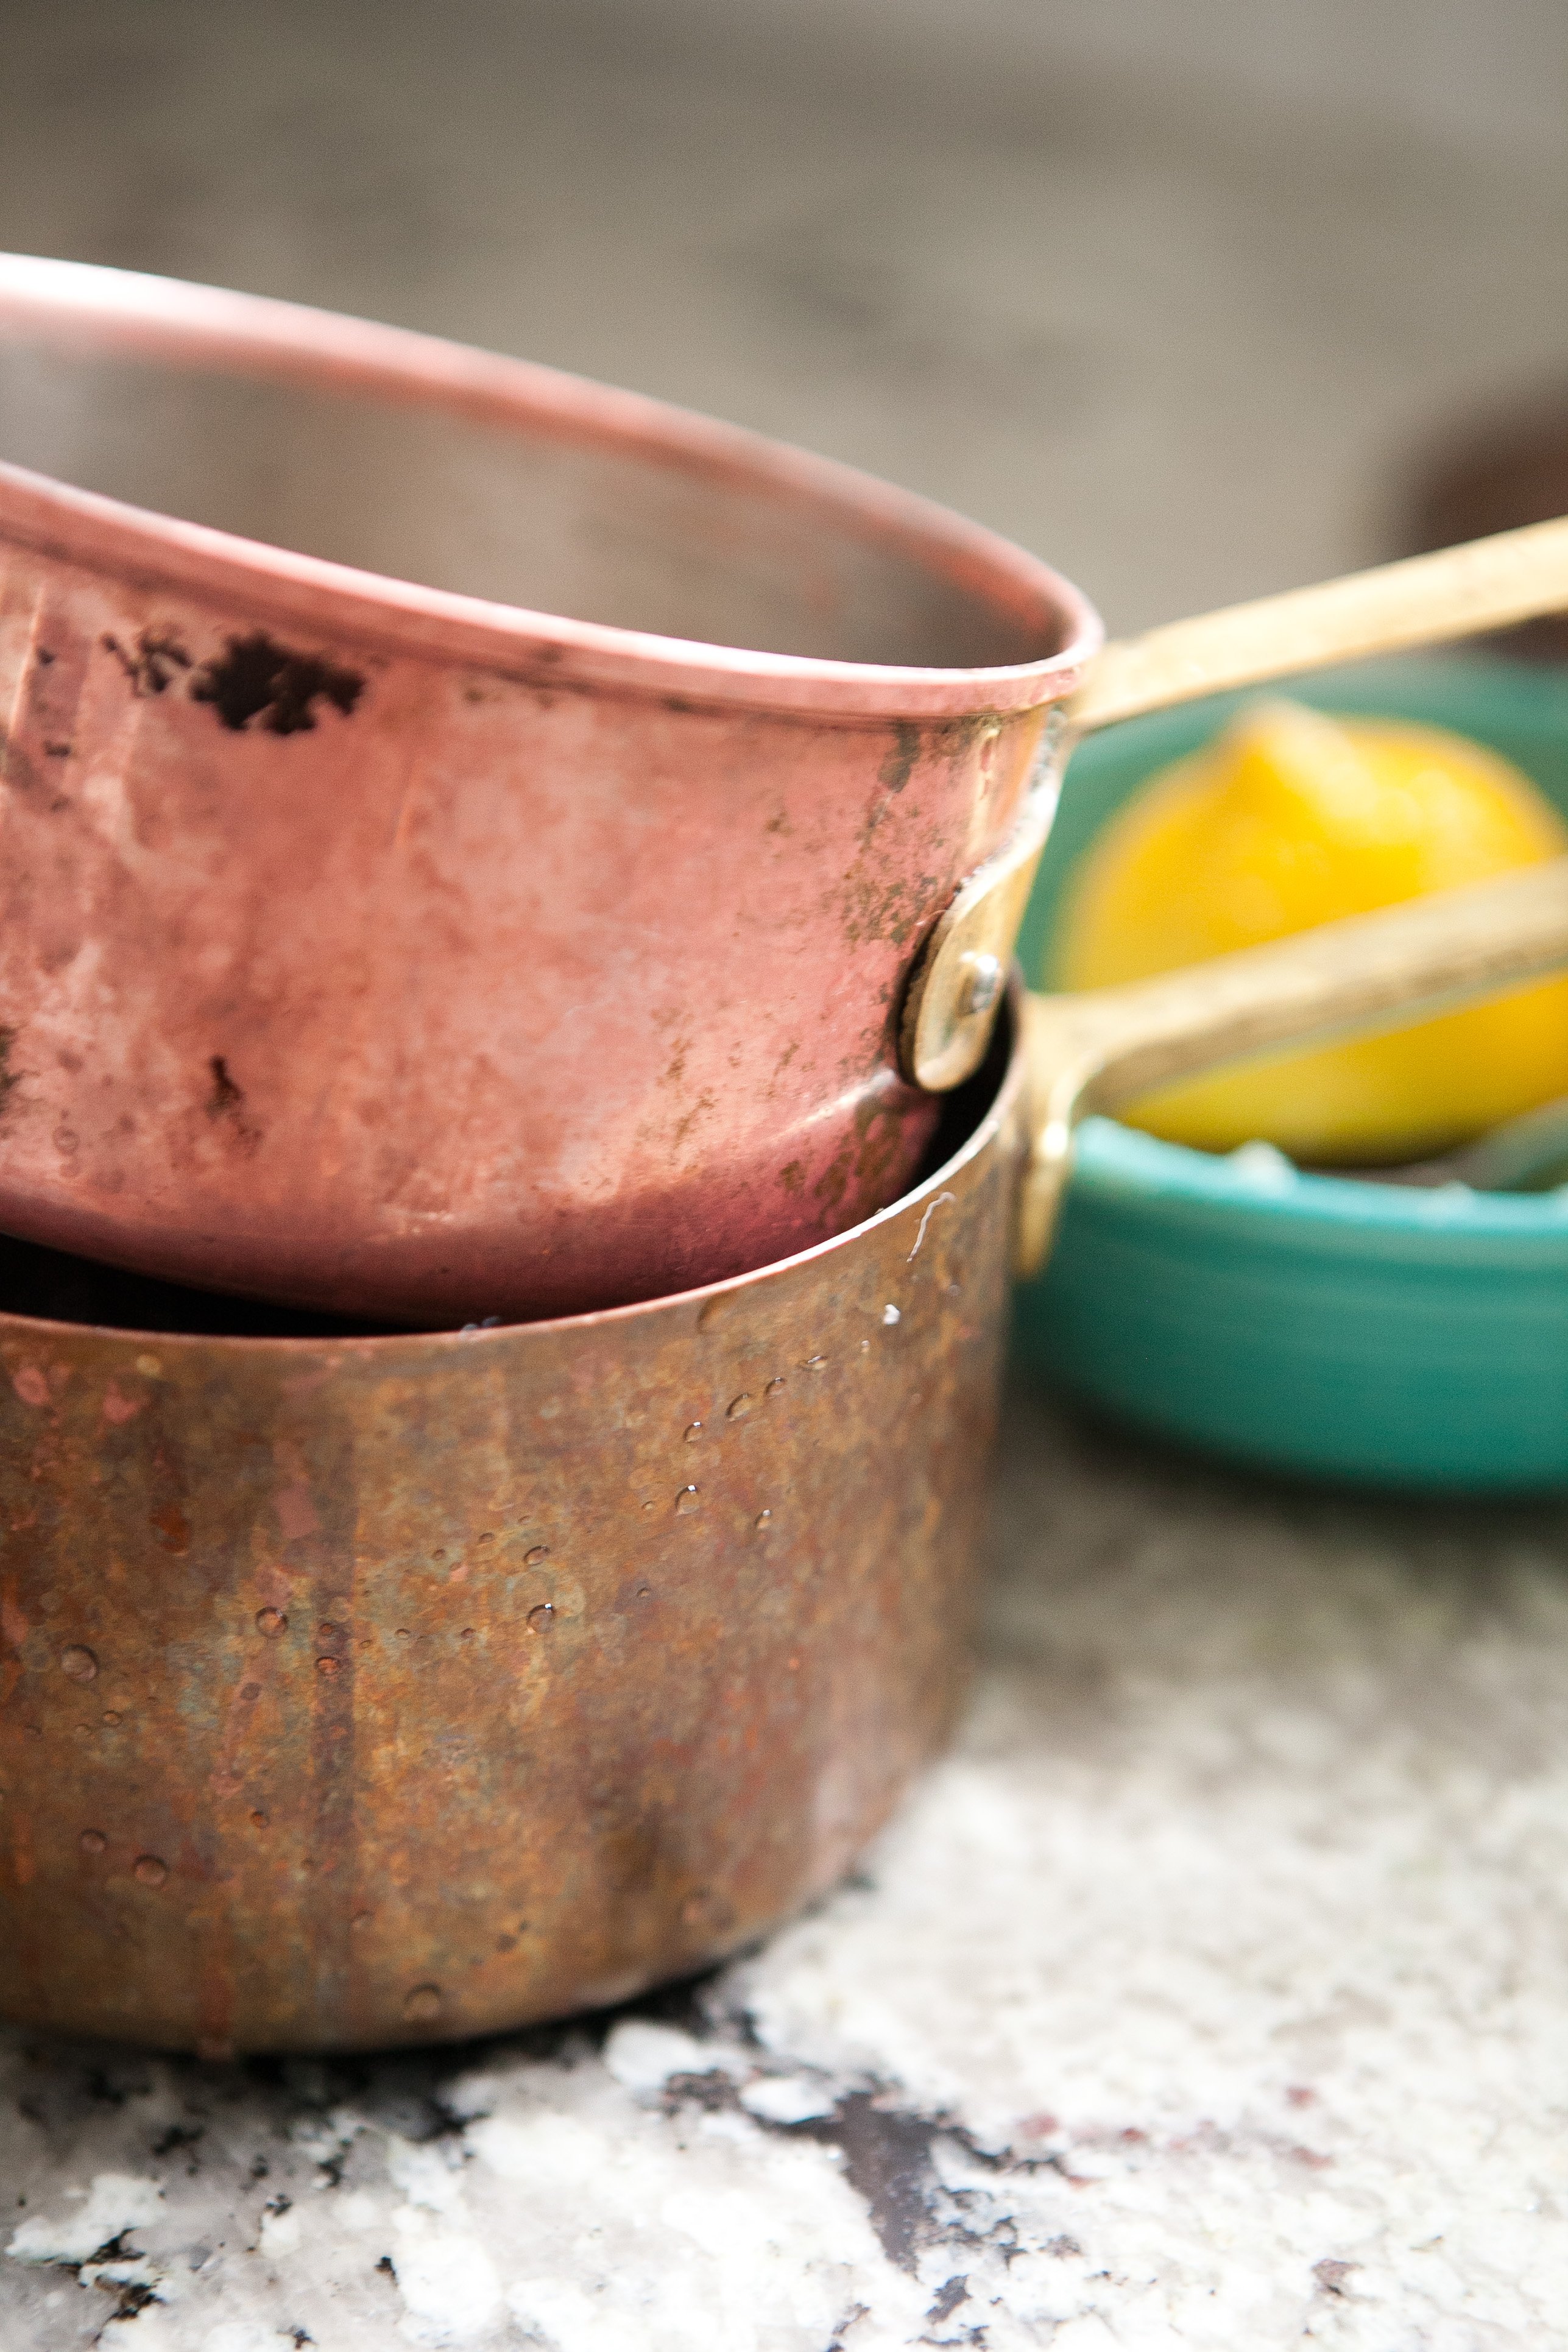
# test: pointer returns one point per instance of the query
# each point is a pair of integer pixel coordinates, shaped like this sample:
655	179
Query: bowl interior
629	526
1519	710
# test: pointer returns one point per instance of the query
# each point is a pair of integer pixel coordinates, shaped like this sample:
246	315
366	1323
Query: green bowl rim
1116	1158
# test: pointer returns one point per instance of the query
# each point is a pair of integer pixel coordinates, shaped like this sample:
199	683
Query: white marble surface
1213	1992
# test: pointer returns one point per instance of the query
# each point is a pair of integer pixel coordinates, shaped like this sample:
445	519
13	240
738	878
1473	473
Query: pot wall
409	989
372	1691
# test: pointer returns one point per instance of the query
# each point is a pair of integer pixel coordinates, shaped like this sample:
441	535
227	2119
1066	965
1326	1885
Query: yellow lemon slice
1291	819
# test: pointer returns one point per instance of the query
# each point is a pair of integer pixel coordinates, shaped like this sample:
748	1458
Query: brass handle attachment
959	977
956	987
1374	971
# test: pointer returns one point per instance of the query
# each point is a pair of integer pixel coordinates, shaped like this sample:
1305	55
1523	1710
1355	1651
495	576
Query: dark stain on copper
899	766
259	678
880	906
153	663
171	1528
227	1102
334	1829
225	1097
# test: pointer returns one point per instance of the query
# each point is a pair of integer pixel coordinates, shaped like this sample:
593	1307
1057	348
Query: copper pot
359	1691
414	950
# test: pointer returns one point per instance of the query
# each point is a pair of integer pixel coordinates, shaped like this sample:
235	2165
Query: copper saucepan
517	941
356	1691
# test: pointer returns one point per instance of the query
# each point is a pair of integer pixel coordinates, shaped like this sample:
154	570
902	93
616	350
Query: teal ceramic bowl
1312	1323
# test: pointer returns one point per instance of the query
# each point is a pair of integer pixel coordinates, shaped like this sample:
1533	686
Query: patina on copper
355	1691
465	832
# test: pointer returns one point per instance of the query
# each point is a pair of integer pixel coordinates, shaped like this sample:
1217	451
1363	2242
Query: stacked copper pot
498	1352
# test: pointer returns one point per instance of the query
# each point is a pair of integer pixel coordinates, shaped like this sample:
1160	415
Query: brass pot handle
1091	1051
1459	591
954	988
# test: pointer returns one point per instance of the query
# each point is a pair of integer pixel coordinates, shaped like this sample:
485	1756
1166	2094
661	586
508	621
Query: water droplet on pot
271	1622
93	1841
531	1558
438	1553
814	1364
250	1692
423	2004
147	1870
110	1717
259	1821
775	1388
687	1501
542	1617
693	1432
402	1634
737	1408
79	1662
330	1667
763	1520
327	1631
891	1315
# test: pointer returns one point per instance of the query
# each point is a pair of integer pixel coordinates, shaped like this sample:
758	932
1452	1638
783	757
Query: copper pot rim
133	314
1000	1084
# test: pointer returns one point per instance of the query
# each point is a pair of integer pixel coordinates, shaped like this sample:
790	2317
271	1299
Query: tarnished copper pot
359	1691
418	901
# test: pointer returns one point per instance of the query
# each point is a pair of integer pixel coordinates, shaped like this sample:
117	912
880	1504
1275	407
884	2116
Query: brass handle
1488	583
1376	972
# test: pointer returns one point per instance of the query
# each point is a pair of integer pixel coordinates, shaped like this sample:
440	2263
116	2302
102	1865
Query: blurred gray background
1175	291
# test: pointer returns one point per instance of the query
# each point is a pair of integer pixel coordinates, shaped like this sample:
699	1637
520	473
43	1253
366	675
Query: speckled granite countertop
1213	1992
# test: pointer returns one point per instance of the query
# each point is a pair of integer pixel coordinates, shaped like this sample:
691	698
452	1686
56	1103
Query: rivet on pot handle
1374	971
956	988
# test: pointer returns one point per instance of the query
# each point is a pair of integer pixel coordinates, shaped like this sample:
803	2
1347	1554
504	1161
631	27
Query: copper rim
72	303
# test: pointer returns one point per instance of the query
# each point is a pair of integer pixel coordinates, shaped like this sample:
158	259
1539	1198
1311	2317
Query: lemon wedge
1287	820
